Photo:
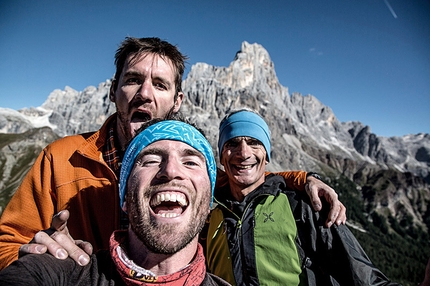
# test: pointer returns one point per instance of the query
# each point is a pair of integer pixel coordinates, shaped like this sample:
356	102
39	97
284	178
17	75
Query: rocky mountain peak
250	64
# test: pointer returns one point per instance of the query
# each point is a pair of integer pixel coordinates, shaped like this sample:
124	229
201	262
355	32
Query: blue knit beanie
247	124
166	130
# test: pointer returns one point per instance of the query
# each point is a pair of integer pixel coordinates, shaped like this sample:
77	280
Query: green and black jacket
274	237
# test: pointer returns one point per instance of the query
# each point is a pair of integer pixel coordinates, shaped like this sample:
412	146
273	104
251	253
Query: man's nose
145	90
243	149
169	170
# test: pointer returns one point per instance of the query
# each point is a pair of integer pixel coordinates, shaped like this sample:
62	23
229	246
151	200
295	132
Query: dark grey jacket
330	256
45	269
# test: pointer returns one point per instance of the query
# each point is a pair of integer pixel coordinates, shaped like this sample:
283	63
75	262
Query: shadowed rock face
305	133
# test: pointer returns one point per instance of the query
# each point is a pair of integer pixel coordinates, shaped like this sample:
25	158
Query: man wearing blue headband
61	194
166	183
260	232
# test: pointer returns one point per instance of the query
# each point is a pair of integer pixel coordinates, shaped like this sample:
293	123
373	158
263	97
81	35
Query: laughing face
145	90
244	161
168	196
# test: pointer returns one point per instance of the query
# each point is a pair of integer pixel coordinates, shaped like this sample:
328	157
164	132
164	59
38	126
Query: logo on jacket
268	217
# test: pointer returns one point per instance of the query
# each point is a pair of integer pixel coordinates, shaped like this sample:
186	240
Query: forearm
295	180
35	270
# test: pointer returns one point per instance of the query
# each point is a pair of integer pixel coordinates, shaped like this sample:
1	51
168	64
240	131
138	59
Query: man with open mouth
166	185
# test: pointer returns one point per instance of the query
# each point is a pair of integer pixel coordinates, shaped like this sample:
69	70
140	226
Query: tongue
140	117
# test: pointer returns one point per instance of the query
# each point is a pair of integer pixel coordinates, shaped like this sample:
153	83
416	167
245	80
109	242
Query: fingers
333	214
336	215
61	246
86	246
79	255
57	241
341	218
59	221
64	242
31	248
316	188
52	246
314	198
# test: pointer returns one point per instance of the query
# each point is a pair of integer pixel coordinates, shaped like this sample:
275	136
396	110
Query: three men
78	175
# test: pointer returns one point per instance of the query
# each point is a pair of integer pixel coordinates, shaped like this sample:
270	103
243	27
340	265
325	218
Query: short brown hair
140	46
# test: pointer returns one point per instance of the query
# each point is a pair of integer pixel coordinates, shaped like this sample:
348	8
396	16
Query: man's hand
58	241
316	189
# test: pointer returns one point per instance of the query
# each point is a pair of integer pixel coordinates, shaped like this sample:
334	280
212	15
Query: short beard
162	239
165	240
124	123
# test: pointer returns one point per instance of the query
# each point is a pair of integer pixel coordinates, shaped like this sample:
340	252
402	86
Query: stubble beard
164	238
124	122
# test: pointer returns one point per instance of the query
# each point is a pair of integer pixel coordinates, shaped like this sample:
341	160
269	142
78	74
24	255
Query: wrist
313	174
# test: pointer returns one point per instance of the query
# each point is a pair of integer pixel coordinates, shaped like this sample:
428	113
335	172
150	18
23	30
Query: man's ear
178	101
220	160
112	91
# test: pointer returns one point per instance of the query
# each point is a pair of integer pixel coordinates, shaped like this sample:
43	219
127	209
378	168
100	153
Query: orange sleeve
295	180
30	210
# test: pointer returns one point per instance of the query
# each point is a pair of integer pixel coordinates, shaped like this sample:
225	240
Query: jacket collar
93	145
273	184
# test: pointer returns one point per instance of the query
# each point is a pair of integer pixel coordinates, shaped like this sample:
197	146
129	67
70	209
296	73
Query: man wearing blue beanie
167	179
262	233
244	123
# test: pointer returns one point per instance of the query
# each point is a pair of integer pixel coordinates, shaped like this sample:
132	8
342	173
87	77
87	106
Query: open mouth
168	204
140	117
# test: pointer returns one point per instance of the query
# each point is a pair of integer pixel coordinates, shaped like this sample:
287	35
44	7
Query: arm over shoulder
295	180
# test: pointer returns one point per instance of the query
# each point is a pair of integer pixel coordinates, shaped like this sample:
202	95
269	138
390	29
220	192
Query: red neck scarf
132	274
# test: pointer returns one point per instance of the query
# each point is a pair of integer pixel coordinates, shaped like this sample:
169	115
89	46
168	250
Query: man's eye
148	161
132	81
193	161
160	85
254	143
231	144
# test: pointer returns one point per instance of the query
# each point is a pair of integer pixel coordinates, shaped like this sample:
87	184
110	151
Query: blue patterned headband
166	130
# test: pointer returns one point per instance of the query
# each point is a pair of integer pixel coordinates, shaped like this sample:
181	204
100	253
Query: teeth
167	197
168	215
244	167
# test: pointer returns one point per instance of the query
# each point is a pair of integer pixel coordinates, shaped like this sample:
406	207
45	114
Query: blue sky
368	60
